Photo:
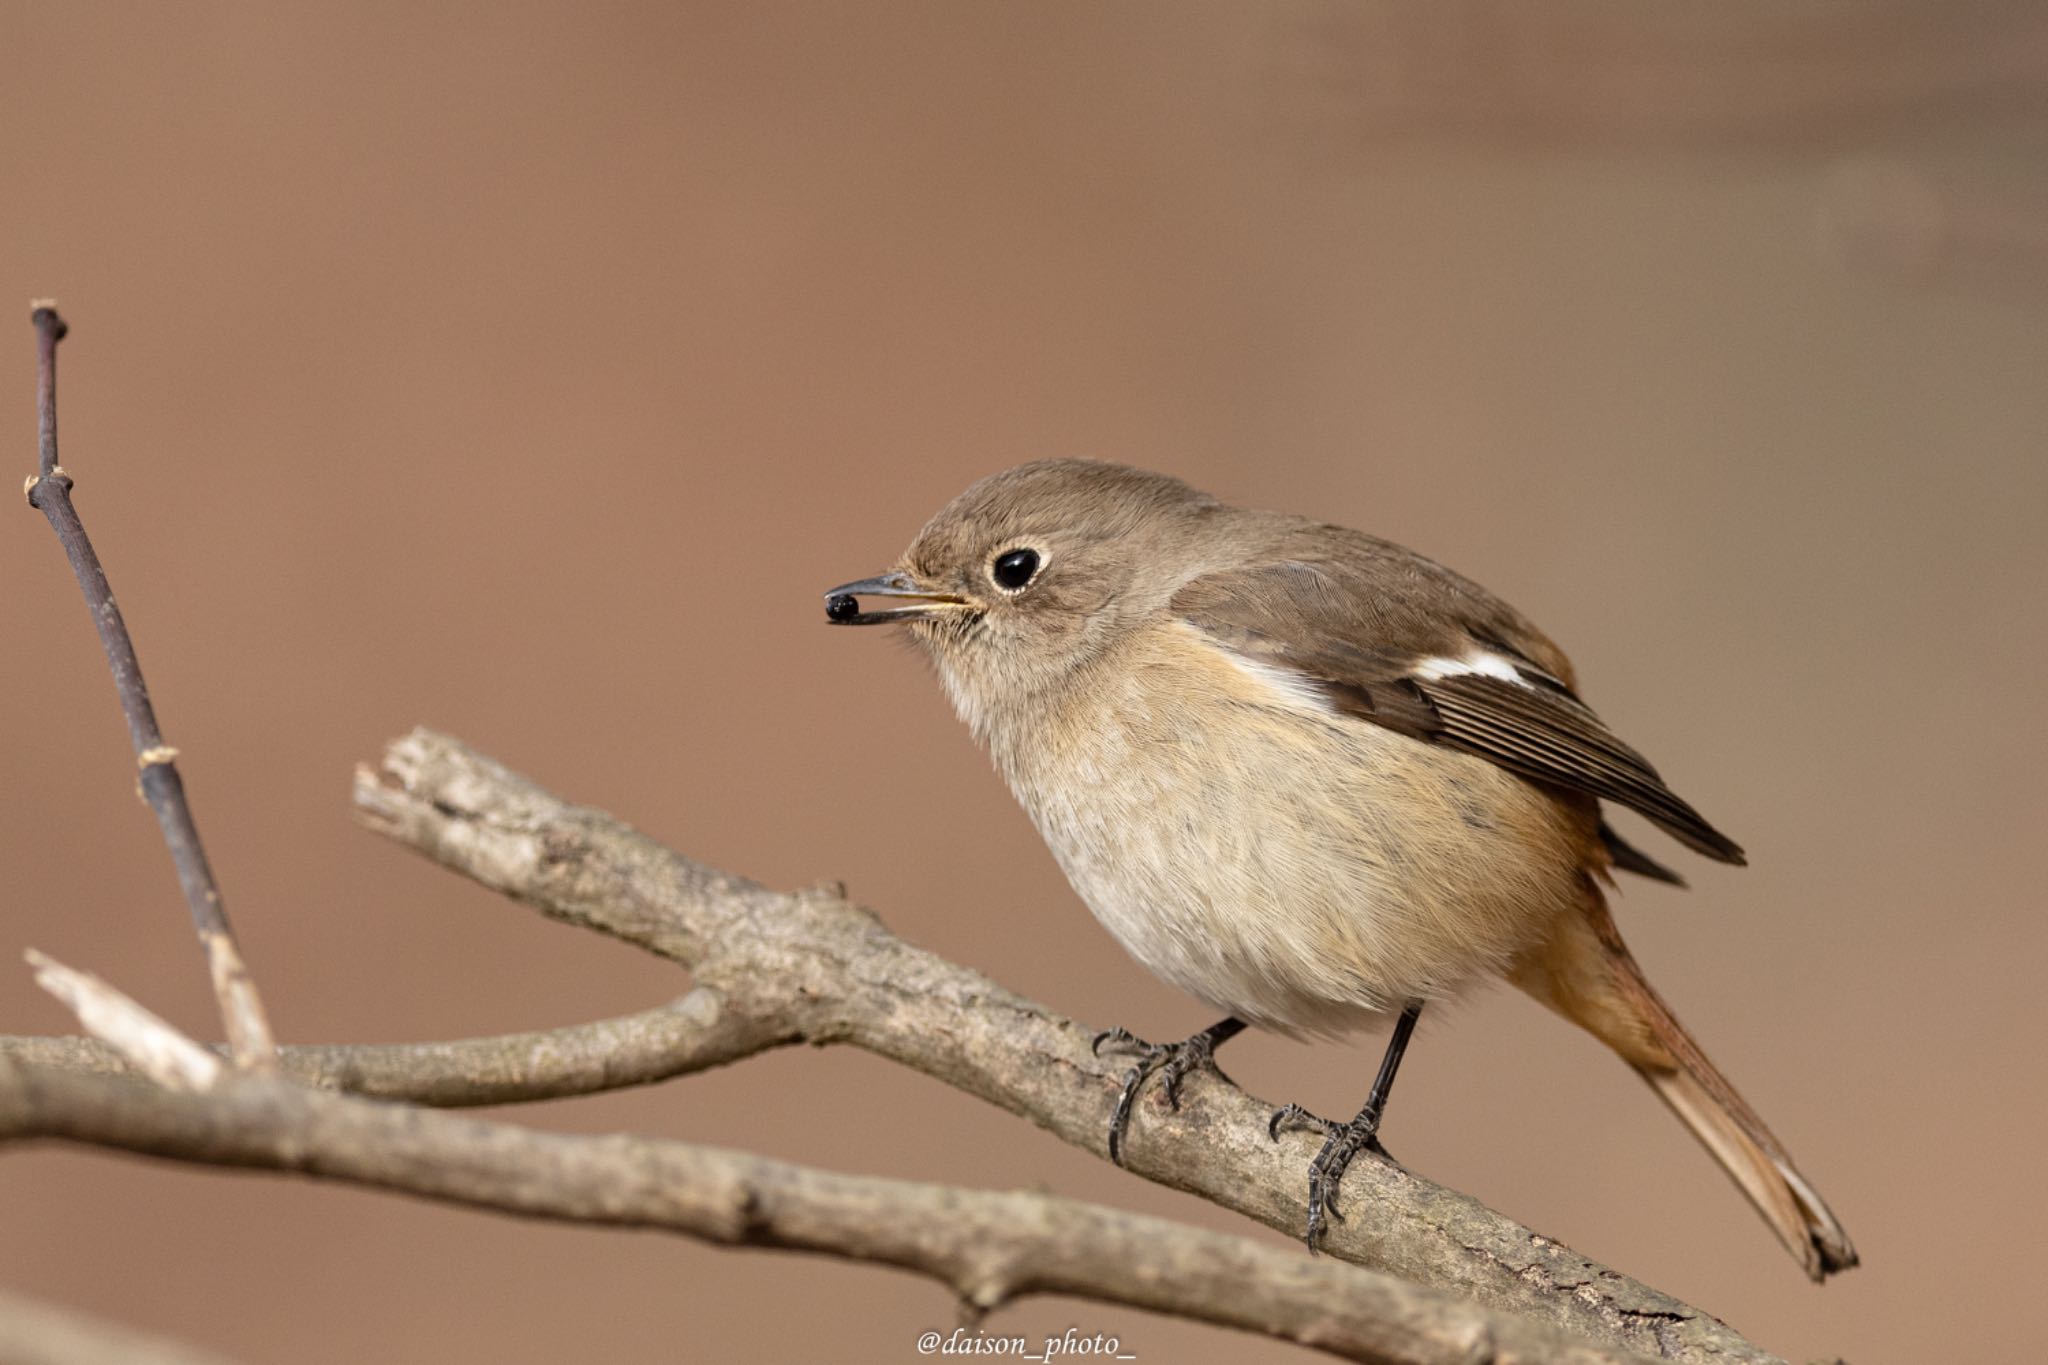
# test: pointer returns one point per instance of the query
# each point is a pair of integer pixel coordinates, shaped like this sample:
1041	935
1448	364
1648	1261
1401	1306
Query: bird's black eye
1013	568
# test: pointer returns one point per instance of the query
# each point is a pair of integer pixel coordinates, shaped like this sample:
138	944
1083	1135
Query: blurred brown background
528	372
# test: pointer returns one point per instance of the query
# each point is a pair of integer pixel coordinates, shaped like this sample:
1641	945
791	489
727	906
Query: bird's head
1030	574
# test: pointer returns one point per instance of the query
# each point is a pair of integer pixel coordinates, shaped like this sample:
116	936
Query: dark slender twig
50	329
49	492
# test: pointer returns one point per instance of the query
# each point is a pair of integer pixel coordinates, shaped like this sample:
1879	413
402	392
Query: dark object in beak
907	601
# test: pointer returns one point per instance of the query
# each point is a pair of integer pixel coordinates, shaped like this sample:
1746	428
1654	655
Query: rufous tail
1586	974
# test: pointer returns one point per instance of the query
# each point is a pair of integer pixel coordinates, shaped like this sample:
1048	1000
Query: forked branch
1436	1276
814	967
771	969
988	1247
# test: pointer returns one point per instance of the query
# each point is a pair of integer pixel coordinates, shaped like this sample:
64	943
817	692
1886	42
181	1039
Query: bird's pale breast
1286	863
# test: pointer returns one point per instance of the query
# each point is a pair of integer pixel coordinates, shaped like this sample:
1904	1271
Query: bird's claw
1122	1037
1341	1142
1173	1060
1294	1116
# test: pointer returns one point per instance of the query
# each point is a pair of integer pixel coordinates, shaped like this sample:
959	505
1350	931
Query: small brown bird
1309	777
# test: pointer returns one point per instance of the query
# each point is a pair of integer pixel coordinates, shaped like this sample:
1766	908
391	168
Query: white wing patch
1292	689
1298	692
1478	661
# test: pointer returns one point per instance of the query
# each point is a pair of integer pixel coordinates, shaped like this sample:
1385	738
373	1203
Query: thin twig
142	1038
989	1247
49	492
695	1032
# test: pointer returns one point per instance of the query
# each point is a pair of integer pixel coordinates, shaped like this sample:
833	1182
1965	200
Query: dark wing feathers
1629	858
1361	617
1554	738
1397	704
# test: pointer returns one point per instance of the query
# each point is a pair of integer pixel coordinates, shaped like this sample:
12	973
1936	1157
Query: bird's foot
1173	1062
1341	1142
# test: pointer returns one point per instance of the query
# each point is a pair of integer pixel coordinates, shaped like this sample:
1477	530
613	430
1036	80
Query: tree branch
814	966
694	1032
769	970
49	492
773	969
990	1248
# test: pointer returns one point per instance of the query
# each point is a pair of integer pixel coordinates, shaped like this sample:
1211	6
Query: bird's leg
1343	1141
1173	1060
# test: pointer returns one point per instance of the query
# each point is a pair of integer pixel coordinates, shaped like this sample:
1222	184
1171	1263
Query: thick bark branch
990	1248
825	970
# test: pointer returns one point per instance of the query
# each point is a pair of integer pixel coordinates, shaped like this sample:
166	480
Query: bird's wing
1398	640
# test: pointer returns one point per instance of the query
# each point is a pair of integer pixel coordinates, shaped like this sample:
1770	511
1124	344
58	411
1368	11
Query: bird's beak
903	599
